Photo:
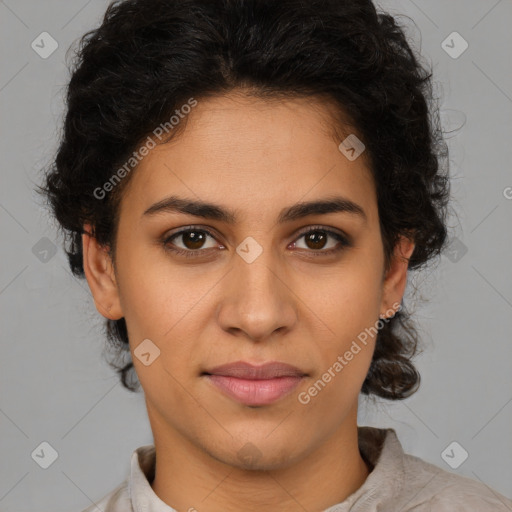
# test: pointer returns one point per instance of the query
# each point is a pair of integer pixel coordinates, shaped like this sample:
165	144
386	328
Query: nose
257	301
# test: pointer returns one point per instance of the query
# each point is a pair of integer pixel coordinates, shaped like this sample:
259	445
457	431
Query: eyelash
344	242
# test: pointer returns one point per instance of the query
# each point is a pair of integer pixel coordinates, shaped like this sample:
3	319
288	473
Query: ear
99	273
395	278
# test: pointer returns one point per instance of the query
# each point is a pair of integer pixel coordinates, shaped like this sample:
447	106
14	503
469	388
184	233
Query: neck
188	478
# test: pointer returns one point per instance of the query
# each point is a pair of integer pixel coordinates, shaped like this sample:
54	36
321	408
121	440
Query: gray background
54	384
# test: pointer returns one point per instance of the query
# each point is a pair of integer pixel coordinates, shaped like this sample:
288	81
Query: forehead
254	155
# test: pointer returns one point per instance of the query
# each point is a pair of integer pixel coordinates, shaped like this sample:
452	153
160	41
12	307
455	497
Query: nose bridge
256	263
256	299
257	280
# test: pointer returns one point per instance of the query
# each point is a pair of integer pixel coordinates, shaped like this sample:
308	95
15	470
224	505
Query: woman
245	185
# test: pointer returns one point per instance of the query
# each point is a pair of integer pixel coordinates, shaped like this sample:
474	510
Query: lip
255	385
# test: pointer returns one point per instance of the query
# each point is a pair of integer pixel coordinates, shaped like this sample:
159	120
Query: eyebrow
175	204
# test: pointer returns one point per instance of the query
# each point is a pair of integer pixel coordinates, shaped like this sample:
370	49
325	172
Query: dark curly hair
149	57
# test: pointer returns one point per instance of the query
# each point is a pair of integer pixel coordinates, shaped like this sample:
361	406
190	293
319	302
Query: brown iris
316	239
196	238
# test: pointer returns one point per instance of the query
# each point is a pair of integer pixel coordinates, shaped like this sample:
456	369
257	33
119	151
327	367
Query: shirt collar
379	447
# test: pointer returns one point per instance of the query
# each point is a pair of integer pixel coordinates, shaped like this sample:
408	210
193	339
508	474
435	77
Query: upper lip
244	370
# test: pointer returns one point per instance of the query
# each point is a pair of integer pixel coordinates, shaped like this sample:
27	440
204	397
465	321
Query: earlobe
395	278
100	276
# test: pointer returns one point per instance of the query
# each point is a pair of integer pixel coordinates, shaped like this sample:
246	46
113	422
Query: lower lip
255	392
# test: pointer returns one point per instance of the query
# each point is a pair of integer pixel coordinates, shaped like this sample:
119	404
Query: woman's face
250	285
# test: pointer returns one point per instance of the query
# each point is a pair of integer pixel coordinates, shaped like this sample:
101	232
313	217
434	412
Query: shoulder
433	488
117	500
136	485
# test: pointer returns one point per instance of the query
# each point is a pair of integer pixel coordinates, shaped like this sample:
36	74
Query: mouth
255	385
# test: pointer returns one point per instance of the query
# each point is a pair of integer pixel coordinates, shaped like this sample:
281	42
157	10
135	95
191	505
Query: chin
255	455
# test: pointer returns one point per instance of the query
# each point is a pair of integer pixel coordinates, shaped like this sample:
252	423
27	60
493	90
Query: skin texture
254	157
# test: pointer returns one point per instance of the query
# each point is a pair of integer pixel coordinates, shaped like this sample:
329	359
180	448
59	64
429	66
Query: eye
316	239
192	241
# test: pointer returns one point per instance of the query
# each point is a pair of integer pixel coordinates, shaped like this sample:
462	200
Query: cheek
165	305
344	364
154	295
349	305
350	297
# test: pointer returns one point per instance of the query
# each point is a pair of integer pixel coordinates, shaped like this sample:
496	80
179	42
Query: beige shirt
398	483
